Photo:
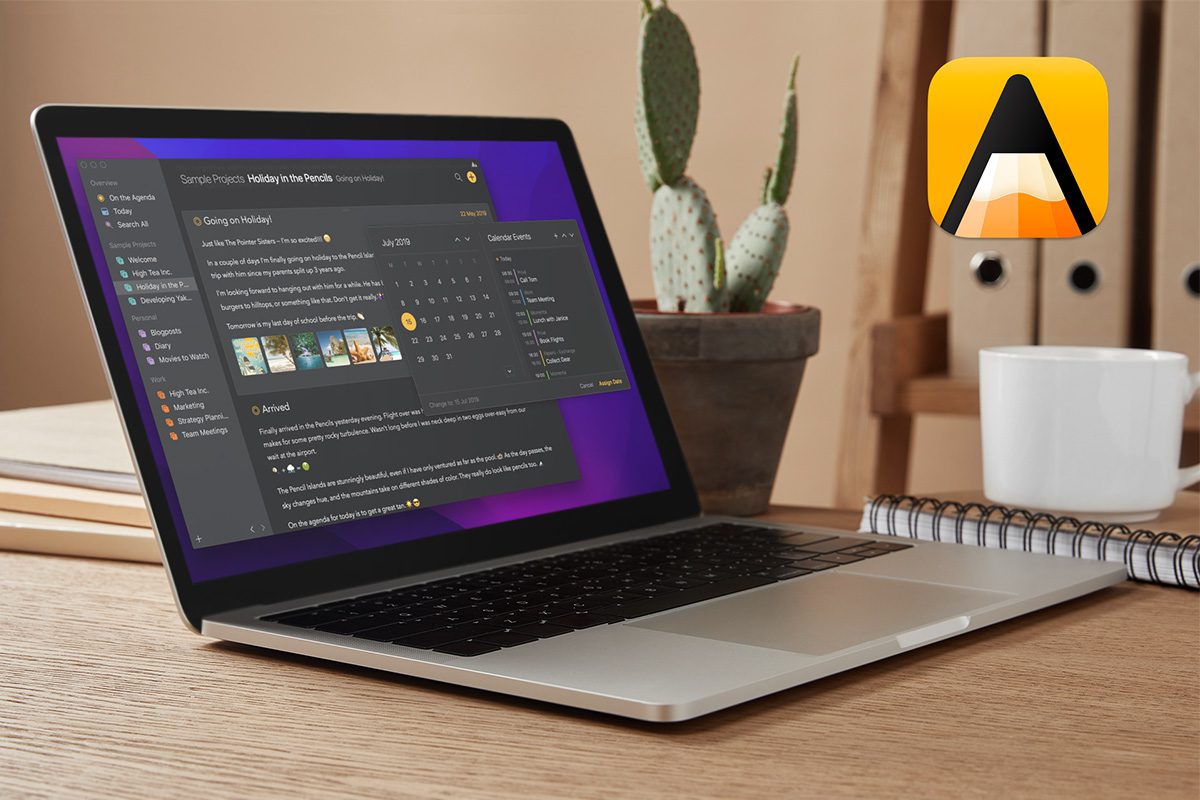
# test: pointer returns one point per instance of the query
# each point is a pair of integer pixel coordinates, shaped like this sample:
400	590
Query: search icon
458	177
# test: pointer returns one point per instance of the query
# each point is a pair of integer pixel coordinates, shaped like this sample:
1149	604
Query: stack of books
67	485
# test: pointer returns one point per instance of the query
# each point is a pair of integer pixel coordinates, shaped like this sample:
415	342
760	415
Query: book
36	533
76	445
1167	552
73	502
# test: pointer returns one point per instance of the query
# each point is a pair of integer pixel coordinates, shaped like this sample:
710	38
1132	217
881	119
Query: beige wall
573	60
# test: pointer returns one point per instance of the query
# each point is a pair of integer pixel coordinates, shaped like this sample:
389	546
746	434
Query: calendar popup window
496	314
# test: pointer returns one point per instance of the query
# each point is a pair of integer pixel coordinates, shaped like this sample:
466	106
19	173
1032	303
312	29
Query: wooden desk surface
104	693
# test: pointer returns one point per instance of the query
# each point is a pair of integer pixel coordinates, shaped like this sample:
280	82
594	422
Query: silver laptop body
667	665
701	658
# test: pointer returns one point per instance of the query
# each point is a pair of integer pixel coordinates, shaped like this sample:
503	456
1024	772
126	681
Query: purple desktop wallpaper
610	433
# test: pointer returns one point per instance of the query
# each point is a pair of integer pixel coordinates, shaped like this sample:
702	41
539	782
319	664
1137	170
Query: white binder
993	282
1087	282
1176	293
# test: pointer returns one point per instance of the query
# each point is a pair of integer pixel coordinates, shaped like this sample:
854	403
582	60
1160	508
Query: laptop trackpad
823	613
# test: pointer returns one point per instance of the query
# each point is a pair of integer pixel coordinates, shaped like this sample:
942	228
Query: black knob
1084	277
1191	280
989	268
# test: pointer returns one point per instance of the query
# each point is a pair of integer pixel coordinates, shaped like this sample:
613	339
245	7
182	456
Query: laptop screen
345	344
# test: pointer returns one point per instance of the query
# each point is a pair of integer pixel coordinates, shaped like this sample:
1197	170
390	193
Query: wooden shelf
942	394
909	373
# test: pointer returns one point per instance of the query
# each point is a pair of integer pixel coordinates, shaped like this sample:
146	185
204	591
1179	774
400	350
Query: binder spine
1140	550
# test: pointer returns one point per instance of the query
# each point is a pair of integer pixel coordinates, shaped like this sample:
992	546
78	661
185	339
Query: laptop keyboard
482	612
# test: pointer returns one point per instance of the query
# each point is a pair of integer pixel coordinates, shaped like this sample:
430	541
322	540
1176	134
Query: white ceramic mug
1089	431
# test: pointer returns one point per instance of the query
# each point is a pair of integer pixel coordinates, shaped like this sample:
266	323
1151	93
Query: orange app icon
1018	148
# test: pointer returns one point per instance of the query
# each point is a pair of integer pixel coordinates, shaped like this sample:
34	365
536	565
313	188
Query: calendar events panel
492	314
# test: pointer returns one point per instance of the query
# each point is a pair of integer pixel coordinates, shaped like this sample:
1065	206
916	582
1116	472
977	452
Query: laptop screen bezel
443	551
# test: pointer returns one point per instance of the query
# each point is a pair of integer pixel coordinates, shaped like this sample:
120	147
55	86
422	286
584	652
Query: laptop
389	407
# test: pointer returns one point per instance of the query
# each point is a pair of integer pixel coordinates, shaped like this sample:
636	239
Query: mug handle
1190	475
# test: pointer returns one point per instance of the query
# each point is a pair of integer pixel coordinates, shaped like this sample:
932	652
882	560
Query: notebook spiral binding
1142	551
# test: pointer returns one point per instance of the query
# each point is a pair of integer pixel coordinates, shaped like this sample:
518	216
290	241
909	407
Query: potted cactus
729	361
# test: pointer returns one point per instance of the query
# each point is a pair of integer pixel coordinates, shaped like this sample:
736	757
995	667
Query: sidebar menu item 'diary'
169	331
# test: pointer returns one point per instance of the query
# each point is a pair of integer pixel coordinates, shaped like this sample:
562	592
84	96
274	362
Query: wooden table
103	693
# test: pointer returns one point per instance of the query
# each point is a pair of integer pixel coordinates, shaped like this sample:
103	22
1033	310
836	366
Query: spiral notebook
73	445
1156	555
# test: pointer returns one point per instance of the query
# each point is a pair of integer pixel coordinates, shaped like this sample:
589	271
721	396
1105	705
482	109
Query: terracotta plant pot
730	382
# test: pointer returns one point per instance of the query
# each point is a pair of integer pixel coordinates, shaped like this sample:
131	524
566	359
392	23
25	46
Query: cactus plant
685	247
693	270
668	96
